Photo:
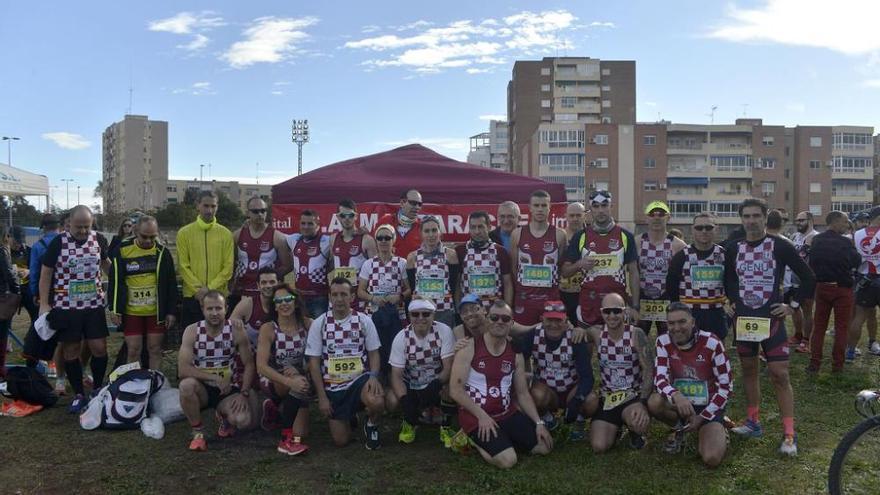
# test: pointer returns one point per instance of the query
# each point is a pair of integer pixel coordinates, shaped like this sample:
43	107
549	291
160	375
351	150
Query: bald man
570	287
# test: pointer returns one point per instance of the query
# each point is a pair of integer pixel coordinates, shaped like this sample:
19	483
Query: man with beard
485	265
258	245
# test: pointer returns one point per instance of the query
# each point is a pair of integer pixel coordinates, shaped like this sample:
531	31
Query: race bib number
751	329
654	310
82	290
221	371
536	275
343	369
614	399
347	272
604	264
482	282
696	391
142	296
706	277
431	288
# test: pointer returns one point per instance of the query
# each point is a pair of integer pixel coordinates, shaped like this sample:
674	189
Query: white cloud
469	44
196	89
67	140
277	93
849	26
871	83
187	22
370	28
493	116
268	40
198	42
606	24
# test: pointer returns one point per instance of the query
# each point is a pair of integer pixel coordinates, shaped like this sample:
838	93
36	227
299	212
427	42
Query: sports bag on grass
29	385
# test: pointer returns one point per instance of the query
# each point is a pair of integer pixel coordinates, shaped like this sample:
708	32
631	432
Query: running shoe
675	441
224	428
88	381
198	443
875	348
371	432
60	386
446	436
578	432
292	446
637	441
78	403
550	422
794	341
407	433
19	409
269	421
858	352
850	354
749	428
788	446
803	347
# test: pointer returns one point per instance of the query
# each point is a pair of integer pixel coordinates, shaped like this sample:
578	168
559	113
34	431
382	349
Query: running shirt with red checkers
489	384
253	254
310	263
619	364
383	279
421	358
653	266
867	243
701	373
77	271
432	279
213	351
288	351
696	277
343	346
482	269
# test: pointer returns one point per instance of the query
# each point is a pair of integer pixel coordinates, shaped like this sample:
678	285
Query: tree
228	213
23	213
99	190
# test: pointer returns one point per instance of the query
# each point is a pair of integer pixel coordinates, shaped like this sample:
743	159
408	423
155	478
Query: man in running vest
258	245
406	223
570	287
310	250
253	310
486	374
867	241
204	366
343	352
693	383
536	255
753	271
656	249
350	248
485	265
803	316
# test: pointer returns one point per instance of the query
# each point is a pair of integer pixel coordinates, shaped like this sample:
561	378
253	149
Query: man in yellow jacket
205	258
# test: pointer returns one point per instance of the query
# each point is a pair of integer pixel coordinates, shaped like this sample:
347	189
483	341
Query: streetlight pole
9	140
77	195
67	192
300	136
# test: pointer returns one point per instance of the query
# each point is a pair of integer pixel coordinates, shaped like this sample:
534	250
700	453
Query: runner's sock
410	408
752	412
196	428
286	433
74	371
788	426
289	408
99	368
449	411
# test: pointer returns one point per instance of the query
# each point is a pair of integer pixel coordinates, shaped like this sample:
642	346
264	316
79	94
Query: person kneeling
693	383
482	375
204	366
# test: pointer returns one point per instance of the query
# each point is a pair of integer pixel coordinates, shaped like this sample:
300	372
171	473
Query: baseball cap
600	196
874	213
656	205
48	220
468	299
554	309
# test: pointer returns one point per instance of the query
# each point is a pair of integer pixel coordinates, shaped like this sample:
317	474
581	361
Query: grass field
49	453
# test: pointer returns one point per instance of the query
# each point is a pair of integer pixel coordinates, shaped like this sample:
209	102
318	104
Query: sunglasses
657	214
345	215
414	202
384	238
704	228
503	318
612	311
284	299
258	211
147	237
420	314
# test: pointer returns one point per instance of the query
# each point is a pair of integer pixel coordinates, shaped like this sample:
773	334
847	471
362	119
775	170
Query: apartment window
568	101
172	200
815	164
815	142
606	103
565	117
606	87
606	72
650	163
600	139
725	208
767	163
733	163
545	103
562	139
545	87
816	210
851	164
606	120
768	188
545	71
600	185
651	185
787	151
599	163
650	140
767	141
787	173
815	187
563	162
686	208
849	141
849	206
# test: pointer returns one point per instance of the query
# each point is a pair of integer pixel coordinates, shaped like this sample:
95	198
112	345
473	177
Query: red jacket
403	245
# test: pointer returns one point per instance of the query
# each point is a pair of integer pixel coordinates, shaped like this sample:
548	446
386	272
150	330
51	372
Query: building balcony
687	172
843	173
730	149
730	174
562	74
687	149
852	196
587	91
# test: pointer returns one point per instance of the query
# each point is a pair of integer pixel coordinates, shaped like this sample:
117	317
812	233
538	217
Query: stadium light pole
9	140
67	192
300	136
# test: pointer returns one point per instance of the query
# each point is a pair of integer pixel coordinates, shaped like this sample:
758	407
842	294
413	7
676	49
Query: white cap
417	304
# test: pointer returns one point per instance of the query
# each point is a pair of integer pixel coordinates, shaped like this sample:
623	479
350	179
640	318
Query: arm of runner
632	269
673	276
246	355
373	357
314	351
447	353
460	369
507	287
646	361
183	264
368	244
46	276
514	250
362	292
264	348
527	404
397	383
661	372
243	309
411	269
721	370
285	259
227	262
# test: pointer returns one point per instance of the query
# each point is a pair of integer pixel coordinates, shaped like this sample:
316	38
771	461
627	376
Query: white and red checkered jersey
342	340
213	351
77	275
384	278
702	281
310	263
289	351
619	364
706	362
479	266
756	268
433	267
422	358
653	266
555	368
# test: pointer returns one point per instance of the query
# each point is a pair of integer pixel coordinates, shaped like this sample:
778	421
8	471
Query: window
650	140
545	71
851	188
568	101
606	72
599	163
767	140
606	103
787	151
815	142
563	162
815	164
172	200
651	185
600	184
768	188
849	206
787	173
851	164
545	103
545	87
766	163
606	87
650	163
686	208
570	181
565	117
606	120
850	141
171	188
725	208
815	187
562	139
816	210
732	163
600	139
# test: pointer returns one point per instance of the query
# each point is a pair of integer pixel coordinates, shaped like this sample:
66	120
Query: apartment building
239	193
134	164
489	149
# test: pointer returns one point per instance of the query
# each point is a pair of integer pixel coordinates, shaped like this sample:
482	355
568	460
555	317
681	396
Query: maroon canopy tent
383	176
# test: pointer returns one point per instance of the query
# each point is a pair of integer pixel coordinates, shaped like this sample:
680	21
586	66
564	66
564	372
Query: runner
72	292
51	227
606	253
350	248
343	350
753	270
259	246
21	257
485	375
204	366
433	271
311	251
508	221
421	361
803	316
696	278
485	265
867	241
536	257
563	375
254	309
142	291
570	287
405	222
383	286
656	249
693	384
626	366
281	365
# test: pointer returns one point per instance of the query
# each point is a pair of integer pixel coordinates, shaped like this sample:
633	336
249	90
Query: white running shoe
875	348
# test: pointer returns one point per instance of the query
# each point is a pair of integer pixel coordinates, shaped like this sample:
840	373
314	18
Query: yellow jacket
205	256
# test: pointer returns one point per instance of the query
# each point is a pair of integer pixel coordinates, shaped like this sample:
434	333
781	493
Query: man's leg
807	306
823	312
855	330
662	409
72	365
630	418
798	318
154	347
192	397
712	444
98	348
544	397
778	371
872	323
602	435
843	305
750	382
340	431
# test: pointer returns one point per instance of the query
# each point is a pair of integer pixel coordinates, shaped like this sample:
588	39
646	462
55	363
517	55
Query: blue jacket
36	263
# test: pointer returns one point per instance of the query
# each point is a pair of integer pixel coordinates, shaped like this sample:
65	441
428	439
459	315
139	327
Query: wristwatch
794	305
540	422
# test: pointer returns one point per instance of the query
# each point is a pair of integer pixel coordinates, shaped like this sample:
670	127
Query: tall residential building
554	98
489	149
135	164
237	192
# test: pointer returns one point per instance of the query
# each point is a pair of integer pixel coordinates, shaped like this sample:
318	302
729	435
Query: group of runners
492	341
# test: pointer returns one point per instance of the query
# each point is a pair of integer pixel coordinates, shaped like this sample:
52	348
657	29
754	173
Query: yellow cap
656	205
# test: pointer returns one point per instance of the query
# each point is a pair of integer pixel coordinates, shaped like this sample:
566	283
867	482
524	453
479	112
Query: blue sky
229	76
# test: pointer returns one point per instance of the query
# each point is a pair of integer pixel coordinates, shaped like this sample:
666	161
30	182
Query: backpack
29	385
126	400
